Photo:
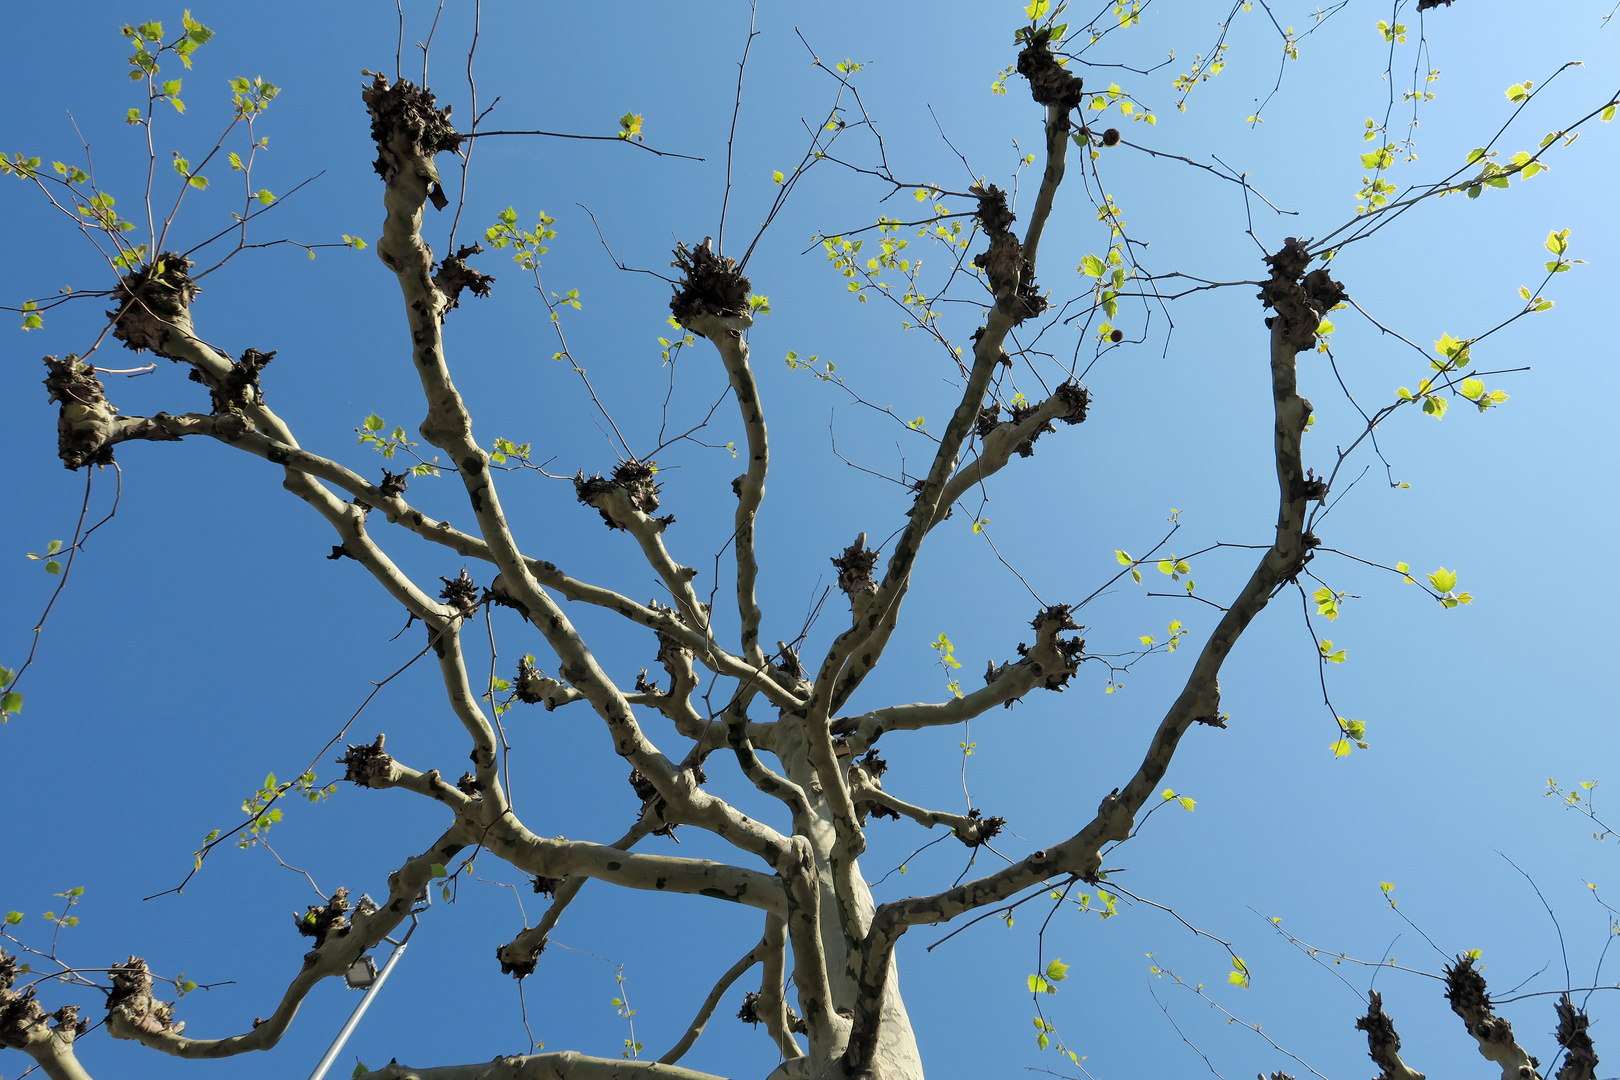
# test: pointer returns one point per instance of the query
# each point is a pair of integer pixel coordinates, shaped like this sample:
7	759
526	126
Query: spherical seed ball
1110	137
1117	336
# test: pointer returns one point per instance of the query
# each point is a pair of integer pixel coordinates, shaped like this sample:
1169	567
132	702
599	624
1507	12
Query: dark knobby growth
406	125
469	785
519	966
1383	1043
394	483
85	422
633	478
1425	5
749	1013
1054	657
367	766
460	593
455	275
131	1002
1012	279
1300	303
979	831
22	1018
152	299
710	285
546	886
873	766
1465	991
239	387
788	661
642	786
855	569
1049	82
1580	1061
531	685
323	921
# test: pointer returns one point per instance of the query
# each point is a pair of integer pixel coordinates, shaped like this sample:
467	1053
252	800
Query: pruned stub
461	593
979	831
454	275
855	568
152	300
81	425
239	387
631	479
1049	82
368	766
131	1000
1300	299
519	967
1012	279
710	285
1054	656
407	126
323	921
22	1019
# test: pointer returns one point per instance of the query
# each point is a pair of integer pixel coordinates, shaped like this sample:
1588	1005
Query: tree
548	565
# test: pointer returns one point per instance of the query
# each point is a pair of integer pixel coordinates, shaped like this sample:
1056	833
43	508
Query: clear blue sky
204	640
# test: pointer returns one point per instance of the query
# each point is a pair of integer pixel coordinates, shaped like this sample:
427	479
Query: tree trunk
897	1057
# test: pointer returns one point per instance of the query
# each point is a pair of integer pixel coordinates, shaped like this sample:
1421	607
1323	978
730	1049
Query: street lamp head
362	973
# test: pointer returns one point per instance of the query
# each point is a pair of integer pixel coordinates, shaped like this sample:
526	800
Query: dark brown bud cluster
323	921
634	478
131	1002
239	387
1011	277
454	275
1300	299
367	766
406	125
1049	81
151	300
710	285
855	569
460	593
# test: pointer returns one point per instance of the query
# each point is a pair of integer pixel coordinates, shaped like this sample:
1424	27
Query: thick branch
1383	1044
1292	329
133	1013
727	335
564	1066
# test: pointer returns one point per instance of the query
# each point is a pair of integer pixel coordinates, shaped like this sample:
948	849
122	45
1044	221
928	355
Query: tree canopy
1370	779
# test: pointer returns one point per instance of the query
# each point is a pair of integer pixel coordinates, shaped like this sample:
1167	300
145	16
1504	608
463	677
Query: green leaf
1057	971
1443	580
13	918
265	197
438	870
1092	266
1035	9
359	1070
53	567
1472	389
53	547
1341	748
199	182
776	176
11	702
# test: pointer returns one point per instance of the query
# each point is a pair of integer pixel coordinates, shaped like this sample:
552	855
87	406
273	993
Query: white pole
359	1011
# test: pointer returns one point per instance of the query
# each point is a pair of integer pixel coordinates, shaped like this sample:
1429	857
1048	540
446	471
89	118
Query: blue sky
203	640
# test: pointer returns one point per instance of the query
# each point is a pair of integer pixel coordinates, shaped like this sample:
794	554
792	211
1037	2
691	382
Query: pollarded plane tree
828	994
